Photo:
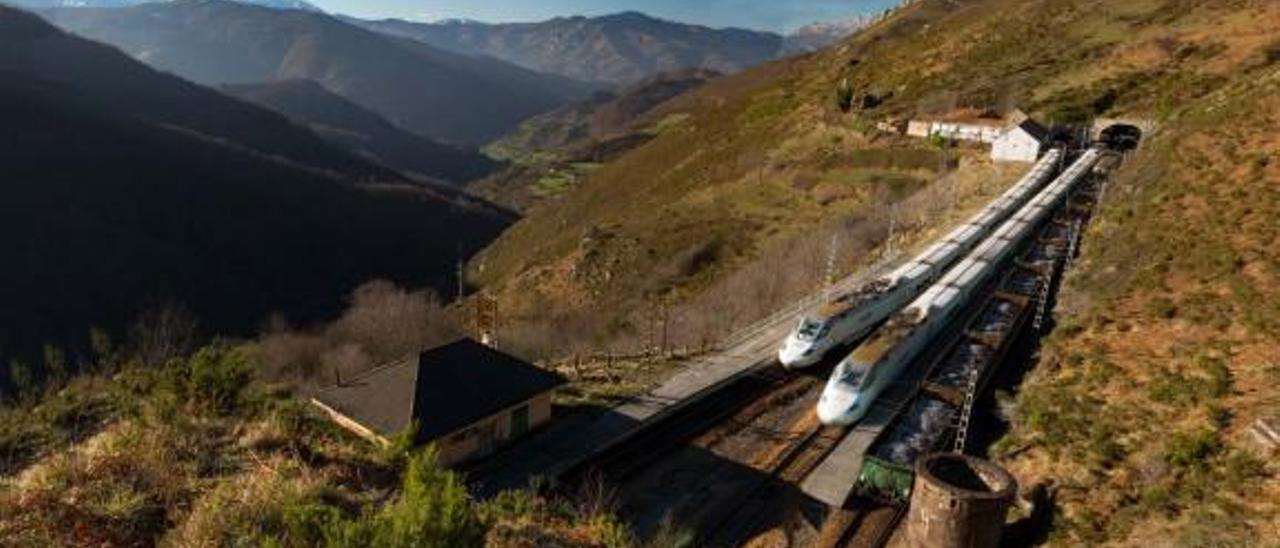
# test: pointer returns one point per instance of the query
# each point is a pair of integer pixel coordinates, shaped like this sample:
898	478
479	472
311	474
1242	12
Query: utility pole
893	229
460	273
486	319
830	278
461	282
666	316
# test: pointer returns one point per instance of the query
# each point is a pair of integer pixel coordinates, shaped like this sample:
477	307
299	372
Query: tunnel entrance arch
1121	137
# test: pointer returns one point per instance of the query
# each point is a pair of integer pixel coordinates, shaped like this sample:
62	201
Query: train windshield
811	329
851	375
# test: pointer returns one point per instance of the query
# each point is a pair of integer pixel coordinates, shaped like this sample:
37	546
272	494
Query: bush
1162	307
1192	450
434	509
214	378
1176	389
316	524
1219	377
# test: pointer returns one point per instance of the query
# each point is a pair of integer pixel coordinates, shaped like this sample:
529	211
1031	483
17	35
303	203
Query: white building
1020	143
978	131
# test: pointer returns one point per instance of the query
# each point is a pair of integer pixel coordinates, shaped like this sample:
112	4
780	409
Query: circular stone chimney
958	501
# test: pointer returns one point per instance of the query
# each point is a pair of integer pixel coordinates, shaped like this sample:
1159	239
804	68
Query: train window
851	375
810	329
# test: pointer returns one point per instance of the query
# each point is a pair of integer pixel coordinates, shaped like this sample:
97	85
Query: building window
520	420
462	436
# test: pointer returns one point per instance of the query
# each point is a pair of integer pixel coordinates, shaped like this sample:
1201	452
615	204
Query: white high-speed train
860	378
855	313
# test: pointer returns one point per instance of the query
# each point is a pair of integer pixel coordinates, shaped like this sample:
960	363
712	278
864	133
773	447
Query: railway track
677	425
868	524
760	506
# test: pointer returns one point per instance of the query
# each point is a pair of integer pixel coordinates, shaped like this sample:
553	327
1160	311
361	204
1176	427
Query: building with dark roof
467	398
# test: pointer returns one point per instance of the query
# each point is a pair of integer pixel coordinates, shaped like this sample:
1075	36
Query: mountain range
617	49
550	153
434	93
605	115
357	129
35	4
124	189
816	36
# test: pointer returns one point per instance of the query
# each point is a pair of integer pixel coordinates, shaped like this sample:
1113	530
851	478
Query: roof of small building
1034	129
444	389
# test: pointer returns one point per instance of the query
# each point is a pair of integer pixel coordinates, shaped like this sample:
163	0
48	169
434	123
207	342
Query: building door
488	438
520	421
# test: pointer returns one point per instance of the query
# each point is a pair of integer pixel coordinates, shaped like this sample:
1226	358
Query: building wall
491	433
961	132
919	128
1015	145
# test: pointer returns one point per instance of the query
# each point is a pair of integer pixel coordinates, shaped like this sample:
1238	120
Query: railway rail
751	512
679	423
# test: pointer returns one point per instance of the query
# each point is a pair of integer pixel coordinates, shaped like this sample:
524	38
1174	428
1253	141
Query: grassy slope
1170	345
198	454
733	161
729	166
1141	447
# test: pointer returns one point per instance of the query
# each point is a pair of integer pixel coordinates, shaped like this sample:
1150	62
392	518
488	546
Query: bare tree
163	334
383	322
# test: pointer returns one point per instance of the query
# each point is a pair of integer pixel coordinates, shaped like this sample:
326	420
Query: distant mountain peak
456	21
630	15
434	93
620	48
40	4
816	36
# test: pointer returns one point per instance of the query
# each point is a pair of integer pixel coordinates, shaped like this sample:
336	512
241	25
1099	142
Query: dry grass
764	157
1140	406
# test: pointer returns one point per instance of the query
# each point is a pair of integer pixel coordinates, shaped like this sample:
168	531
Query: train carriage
859	379
854	314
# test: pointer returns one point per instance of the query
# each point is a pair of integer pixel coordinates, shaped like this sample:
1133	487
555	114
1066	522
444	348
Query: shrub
214	378
1192	450
844	96
1176	389
434	509
1219	377
308	524
1162	307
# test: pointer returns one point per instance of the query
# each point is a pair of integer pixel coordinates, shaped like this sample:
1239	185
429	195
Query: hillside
363	132
1136	418
1167	352
126	190
431	92
549	153
618	49
605	115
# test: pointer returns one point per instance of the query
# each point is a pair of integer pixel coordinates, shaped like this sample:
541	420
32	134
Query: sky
774	15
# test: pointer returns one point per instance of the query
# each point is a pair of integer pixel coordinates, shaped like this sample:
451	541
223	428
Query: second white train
855	313
860	378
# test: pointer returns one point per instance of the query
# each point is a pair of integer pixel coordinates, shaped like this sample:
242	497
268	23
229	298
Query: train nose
797	354
792	354
836	409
